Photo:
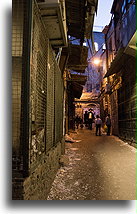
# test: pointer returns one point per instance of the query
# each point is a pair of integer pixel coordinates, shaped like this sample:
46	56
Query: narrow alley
74	76
99	168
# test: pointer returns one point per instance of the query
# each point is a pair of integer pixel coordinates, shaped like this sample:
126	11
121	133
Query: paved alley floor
99	168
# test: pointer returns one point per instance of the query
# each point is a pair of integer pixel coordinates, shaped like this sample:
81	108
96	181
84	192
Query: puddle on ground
77	159
74	149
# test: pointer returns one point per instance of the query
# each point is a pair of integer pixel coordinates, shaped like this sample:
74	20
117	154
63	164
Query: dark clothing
98	123
77	121
86	118
90	119
98	129
108	129
108	121
108	124
81	123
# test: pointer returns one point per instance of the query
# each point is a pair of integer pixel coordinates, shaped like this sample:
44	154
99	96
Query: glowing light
84	44
96	61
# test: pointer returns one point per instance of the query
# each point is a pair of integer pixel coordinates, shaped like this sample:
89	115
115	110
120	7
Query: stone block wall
114	112
17	188
127	102
38	184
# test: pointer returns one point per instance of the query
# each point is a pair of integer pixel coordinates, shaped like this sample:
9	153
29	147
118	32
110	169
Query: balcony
126	28
54	17
77	60
124	34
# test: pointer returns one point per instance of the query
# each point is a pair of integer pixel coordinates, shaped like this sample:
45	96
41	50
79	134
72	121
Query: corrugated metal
42	79
46	92
58	104
17	27
50	102
114	112
21	26
17	40
38	87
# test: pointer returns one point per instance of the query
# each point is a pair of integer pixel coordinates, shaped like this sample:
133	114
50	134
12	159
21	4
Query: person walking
98	123
81	123
86	118
108	124
90	118
77	121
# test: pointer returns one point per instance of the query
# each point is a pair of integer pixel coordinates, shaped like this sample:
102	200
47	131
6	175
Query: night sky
103	14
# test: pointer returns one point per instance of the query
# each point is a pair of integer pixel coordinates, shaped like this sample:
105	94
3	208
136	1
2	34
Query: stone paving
99	168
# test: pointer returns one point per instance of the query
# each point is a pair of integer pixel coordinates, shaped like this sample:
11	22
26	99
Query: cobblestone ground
99	168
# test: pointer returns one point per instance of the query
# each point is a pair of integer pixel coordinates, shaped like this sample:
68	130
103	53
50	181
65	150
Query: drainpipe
25	93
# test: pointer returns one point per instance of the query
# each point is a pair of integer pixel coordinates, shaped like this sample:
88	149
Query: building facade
38	95
120	76
92	87
42	96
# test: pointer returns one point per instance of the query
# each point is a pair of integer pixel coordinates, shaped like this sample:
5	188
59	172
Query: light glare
96	61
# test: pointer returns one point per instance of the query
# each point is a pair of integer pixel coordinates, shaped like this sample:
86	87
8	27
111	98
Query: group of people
98	123
78	121
89	119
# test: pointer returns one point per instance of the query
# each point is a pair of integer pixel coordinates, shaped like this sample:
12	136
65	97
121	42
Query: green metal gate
37	87
46	92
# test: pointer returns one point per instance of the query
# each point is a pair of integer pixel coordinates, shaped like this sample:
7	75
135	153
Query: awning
63	58
78	68
117	63
80	13
75	12
53	14
131	48
76	89
77	57
81	79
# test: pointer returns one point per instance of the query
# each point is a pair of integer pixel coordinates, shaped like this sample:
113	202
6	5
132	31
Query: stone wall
37	185
127	102
114	112
17	188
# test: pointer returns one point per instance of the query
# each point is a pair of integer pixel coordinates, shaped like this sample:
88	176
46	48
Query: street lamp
96	61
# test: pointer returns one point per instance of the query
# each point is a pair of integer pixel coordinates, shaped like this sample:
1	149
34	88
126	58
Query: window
84	44
96	46
98	87
110	45
124	7
89	87
104	47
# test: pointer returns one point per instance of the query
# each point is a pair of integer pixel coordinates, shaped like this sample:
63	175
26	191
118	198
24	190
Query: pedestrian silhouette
98	123
108	124
86	118
90	118
81	123
77	121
